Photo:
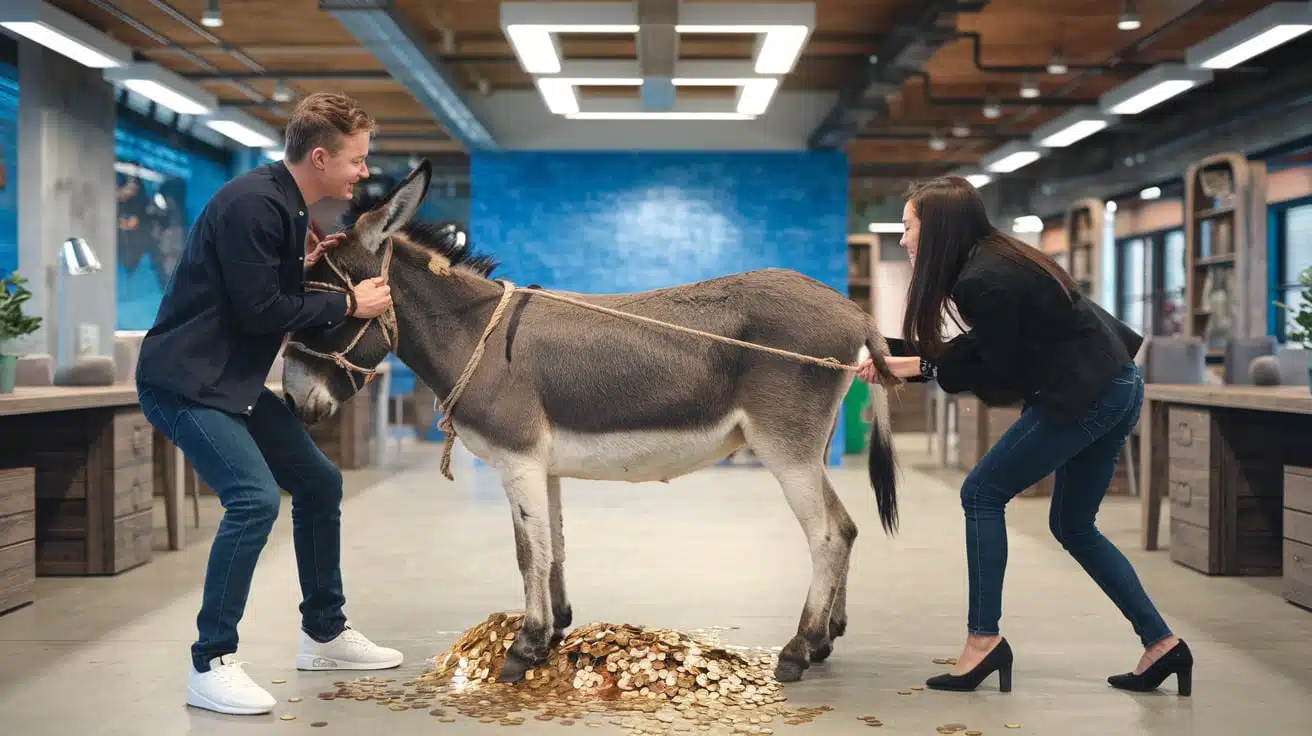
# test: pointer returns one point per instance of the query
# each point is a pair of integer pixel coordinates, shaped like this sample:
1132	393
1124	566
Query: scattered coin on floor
279	682
955	726
941	660
318	724
293	700
1013	725
903	692
974	733
287	717
917	687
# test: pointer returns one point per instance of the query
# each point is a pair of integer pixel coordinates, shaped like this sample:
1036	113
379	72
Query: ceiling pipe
191	56
1126	51
976	41
921	29
927	90
355	75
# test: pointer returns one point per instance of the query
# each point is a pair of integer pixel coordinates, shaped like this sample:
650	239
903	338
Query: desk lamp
77	258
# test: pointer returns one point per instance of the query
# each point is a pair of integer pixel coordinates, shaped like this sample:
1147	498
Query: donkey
563	392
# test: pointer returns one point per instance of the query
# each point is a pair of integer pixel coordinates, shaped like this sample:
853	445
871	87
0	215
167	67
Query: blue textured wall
9	153
140	281
618	222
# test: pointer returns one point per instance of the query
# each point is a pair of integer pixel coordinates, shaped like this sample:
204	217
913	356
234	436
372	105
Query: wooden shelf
1084	226
862	256
1225	250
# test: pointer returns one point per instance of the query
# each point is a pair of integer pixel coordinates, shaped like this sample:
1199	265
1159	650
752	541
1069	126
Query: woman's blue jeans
246	460
1084	455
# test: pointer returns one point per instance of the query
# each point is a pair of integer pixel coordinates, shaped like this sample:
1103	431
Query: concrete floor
424	558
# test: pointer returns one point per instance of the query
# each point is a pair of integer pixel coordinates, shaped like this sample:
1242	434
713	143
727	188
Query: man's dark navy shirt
237	290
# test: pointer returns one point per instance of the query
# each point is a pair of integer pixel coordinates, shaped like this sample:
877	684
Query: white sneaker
349	651
226	688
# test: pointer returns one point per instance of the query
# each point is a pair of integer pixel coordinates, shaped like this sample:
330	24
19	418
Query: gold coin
287	717
318	724
279	682
399	707
1013	725
917	687
974	733
903	692
293	700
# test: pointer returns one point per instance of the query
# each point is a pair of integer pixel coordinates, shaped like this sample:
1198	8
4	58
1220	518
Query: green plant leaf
13	322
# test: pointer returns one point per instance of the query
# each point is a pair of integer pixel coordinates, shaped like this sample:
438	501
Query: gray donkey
560	391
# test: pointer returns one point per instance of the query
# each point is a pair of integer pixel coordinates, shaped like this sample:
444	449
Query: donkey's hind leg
803	483
841	520
561	612
526	489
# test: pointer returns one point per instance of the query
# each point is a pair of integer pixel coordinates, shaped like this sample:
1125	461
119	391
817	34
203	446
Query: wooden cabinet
1224	480
17	537
93	487
1297	531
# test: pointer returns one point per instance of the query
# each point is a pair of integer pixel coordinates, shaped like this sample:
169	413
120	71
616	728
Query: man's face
338	172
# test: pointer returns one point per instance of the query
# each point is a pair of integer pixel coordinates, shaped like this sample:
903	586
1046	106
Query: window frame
1154	295
1277	258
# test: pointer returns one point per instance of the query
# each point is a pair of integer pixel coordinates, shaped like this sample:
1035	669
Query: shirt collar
288	185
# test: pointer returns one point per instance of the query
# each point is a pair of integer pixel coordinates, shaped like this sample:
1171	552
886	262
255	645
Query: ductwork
381	30
917	35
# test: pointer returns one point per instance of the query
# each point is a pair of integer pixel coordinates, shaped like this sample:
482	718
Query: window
1294	250
1133	290
1150	282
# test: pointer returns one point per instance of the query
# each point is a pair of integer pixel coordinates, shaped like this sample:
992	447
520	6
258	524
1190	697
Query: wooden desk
1219	453
98	463
93	458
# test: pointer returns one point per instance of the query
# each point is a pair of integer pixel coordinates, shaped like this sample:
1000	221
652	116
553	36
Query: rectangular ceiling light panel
45	24
1071	127
782	29
243	128
1152	88
532	28
156	83
1011	157
1257	34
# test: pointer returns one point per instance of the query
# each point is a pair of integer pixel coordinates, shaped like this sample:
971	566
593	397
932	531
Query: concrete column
66	153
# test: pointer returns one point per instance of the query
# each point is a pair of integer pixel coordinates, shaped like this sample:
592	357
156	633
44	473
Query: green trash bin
855	427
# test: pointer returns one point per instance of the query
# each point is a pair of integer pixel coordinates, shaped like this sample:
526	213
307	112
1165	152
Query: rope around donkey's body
447	405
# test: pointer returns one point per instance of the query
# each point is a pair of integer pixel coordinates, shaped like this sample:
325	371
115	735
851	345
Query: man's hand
315	248
372	298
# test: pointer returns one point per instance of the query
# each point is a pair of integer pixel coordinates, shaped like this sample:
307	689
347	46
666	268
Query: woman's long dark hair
953	222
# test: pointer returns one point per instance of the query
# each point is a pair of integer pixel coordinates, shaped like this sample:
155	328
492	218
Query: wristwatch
928	369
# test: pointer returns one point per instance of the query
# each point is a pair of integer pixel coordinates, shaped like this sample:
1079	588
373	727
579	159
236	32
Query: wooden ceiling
263	39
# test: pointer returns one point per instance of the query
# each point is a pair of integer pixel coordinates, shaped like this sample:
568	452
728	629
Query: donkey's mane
430	237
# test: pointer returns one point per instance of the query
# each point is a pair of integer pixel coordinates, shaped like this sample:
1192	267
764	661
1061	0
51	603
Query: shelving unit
1225	251
1084	224
862	255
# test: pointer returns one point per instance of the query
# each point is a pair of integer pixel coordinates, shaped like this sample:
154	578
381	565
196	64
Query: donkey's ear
397	207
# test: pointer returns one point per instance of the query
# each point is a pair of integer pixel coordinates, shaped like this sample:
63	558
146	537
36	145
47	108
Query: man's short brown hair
323	120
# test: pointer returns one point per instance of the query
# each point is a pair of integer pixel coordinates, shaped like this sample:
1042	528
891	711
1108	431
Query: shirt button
301	213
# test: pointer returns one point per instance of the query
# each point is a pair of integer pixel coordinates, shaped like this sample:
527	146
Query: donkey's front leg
526	489
562	612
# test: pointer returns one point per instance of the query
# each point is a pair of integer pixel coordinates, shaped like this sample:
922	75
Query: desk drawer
17	490
17	575
1191	492
1298	573
134	438
1297	526
17	528
133	489
1298	488
1189	437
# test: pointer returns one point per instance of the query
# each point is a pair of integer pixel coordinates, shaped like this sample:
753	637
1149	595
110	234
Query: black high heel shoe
1179	662
999	660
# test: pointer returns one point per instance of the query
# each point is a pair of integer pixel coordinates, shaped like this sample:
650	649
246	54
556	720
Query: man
235	294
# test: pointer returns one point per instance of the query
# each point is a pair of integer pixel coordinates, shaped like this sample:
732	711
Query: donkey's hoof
514	668
837	627
557	637
789	670
821	653
562	618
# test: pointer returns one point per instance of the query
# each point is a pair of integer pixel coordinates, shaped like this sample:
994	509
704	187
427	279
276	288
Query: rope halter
359	375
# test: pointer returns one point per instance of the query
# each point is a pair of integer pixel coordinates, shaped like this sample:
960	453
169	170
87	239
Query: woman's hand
900	366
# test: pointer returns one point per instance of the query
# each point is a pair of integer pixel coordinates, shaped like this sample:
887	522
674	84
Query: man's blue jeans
246	460
1084	457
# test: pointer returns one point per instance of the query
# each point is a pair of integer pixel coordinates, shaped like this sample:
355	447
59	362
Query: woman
1033	338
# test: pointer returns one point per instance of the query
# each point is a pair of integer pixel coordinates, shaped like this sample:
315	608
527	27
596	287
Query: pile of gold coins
650	681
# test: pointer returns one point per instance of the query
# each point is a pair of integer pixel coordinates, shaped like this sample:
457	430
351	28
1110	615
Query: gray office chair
1293	366
1239	355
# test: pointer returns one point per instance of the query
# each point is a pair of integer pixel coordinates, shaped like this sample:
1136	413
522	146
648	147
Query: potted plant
1299	331
13	325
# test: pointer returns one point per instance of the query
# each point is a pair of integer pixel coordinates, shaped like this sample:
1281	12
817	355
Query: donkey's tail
883	462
